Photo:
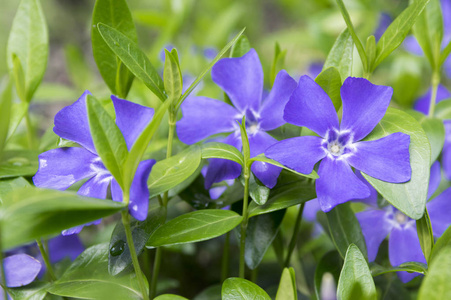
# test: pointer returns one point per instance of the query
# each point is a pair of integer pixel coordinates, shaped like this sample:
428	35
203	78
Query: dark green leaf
242	289
330	263
32	213
345	229
442	242
241	47
340	56
257	190
88	278
169	173
287	287
195	226
260	233
19	163
330	81
108	139
134	58
119	254
435	285
411	266
29	41
264	159
221	150
355	277
172	75
34	291
424	231
409	197
116	14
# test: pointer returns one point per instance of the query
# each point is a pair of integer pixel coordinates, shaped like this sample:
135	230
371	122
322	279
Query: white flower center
252	128
401	218
335	148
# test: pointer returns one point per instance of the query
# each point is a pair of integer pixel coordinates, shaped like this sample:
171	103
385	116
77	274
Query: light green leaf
19	163
5	113
257	190
411	266
277	63
169	173
134	58
222	150
330	81
34	291
409	197
245	141
170	297
29	41
107	137
116	14
241	47
341	54
88	278
355	278
264	159
18	112
287	286
32	213
370	50
435	285
242	289
195	226
8	185
443	242
425	235
19	79
443	110
172	75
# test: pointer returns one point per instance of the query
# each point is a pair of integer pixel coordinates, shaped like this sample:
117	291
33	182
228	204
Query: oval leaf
242	289
264	159
330	81
287	286
435	285
340	56
221	150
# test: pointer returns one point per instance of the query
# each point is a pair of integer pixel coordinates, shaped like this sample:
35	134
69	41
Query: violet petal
439	212
375	227
20	269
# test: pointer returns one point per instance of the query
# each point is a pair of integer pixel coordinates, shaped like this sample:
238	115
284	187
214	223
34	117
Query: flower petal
131	118
139	192
372	198
223	169
311	208
72	123
434	179
439	212
446	153
242	79
404	246
96	187
310	106
299	153
364	105
338	184
20	269
60	168
422	103
386	159
77	229
203	117
375	227
271	113
61	247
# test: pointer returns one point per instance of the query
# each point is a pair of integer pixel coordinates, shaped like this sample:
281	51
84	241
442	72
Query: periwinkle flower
242	79
339	146
403	243
62	167
20	269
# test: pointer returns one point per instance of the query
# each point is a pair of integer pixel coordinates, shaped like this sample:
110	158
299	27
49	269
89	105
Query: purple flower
403	243
62	167
20	270
384	22
339	146
242	79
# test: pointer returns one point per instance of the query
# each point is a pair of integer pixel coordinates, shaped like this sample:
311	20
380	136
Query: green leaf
264	159
330	263
222	150
172	75
18	112
241	47
32	213
242	289
8	185
409	197
370	50
117	15
340	56
398	30
284	196
19	78
134	58
170	297
5	114
345	229
245	141
287	286
19	163
260	233
195	226
119	253
29	41
34	291
443	110
167	174
212	292
277	63
355	277
207	69
108	139
435	132
411	266
425	235
88	278
442	242
330	81
435	285
257	190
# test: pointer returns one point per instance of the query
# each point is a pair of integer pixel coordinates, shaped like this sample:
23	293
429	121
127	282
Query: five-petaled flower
242	79
62	167
339	146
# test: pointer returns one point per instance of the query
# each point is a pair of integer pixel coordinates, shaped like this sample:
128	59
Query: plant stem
45	256
225	258
435	81
156	270
131	247
294	237
245	219
30	131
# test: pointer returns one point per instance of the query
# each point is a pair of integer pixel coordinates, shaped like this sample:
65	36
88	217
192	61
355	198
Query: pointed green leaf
257	190
287	287
5	114
277	63
19	78
241	47
424	231
330	81
242	289
442	242
172	75
340	56
134	58
264	159
221	150
435	285
29	41
371	50
411	266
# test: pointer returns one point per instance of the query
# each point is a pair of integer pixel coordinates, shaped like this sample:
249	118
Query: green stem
225	258
156	270
245	219
435	81
131	247
45	256
294	237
